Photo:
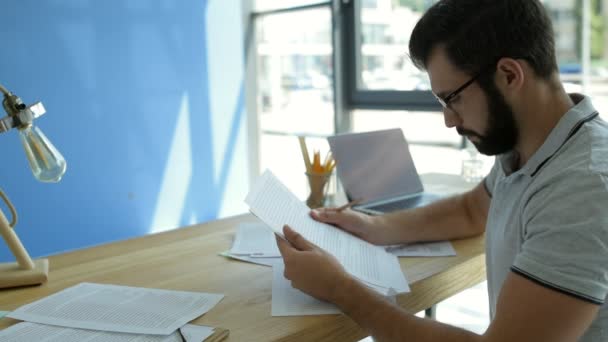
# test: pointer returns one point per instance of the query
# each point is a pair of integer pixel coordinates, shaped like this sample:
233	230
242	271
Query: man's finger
325	215
284	246
297	240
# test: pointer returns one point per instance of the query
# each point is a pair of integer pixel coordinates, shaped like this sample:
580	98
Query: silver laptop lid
375	165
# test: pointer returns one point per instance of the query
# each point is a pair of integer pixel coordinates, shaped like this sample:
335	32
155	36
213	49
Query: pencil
349	204
327	161
305	154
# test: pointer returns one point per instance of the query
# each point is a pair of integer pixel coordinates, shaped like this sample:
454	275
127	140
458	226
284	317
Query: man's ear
510	75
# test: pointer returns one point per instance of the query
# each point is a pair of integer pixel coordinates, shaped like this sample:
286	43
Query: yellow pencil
305	154
332	165
327	160
316	164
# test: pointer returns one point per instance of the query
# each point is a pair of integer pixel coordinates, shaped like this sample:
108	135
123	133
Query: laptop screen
375	165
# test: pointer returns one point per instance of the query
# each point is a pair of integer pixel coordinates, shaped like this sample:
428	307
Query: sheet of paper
196	333
287	301
260	261
118	308
4	313
28	332
431	249
255	240
274	204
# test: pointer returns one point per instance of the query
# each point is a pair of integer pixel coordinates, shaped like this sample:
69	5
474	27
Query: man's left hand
310	268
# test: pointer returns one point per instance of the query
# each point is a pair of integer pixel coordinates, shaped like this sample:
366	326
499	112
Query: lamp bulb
46	162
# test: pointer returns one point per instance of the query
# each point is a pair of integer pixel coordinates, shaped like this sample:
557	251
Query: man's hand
366	227
311	269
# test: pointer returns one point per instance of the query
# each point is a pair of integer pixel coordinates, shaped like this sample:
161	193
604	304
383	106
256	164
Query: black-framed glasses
445	102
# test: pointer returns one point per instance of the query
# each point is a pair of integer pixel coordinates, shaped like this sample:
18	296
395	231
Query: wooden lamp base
12	275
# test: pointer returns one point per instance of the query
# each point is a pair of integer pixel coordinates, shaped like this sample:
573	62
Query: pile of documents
95	312
273	203
255	243
276	206
376	266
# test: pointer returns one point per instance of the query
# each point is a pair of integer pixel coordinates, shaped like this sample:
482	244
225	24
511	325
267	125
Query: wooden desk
187	259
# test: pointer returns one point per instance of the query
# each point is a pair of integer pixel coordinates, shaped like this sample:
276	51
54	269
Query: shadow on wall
128	91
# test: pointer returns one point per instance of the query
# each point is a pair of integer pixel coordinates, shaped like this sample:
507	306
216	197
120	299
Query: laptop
377	168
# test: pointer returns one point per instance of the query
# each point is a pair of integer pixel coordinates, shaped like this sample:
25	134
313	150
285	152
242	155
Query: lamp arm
4	90
12	240
19	115
11	208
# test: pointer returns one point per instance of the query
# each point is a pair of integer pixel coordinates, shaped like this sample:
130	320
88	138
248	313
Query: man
543	207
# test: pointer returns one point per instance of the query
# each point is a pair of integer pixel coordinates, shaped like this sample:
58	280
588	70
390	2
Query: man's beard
501	134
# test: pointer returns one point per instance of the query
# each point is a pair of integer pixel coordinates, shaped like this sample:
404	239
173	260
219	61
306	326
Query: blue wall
144	99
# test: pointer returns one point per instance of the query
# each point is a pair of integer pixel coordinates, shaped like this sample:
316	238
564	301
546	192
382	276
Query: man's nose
451	118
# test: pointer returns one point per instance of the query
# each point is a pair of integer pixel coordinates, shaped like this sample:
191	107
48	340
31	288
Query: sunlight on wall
226	99
177	175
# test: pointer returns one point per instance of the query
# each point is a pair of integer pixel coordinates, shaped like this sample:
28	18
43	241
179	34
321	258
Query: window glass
568	26
294	90
385	27
295	70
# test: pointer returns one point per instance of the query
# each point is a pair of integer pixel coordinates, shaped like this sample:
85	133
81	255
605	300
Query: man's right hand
368	228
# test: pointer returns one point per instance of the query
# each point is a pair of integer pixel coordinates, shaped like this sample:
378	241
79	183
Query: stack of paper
274	204
255	240
88	309
254	243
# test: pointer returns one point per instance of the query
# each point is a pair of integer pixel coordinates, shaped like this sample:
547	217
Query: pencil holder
318	183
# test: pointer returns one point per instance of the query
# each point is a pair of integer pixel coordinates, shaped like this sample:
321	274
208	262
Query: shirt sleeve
565	237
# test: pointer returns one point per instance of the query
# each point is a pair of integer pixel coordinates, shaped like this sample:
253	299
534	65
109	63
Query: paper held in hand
273	203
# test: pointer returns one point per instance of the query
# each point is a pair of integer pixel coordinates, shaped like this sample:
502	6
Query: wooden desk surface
187	259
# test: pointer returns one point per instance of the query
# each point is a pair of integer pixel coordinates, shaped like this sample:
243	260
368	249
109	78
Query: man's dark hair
477	33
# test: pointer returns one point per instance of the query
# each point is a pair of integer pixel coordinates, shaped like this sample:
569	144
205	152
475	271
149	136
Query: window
295	94
384	37
295	71
379	71
582	47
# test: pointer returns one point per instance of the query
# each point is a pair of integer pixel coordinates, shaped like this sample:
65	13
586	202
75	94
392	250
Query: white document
260	261
431	249
274	204
196	333
255	240
287	301
28	332
118	309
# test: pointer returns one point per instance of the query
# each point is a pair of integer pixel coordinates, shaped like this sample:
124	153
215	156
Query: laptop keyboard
397	205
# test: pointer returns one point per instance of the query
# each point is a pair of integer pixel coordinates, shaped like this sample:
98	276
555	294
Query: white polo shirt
548	221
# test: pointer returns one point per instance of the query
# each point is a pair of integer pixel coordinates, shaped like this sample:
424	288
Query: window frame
357	98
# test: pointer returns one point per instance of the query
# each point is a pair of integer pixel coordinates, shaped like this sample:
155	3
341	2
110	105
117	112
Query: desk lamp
48	165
